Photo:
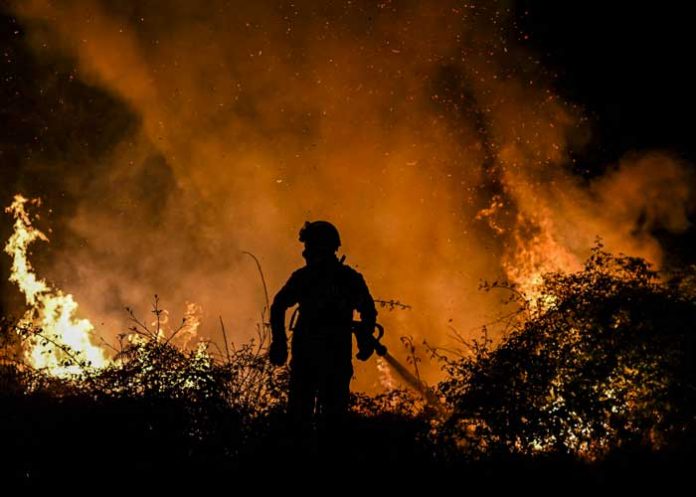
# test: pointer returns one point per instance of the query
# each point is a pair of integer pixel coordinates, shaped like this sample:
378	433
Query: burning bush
602	359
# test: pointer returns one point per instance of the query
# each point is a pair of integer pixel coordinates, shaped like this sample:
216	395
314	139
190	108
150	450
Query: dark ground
73	443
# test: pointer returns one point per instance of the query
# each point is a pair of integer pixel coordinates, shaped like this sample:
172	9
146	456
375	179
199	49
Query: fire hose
409	378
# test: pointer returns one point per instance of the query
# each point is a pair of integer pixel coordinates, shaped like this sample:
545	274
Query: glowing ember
63	346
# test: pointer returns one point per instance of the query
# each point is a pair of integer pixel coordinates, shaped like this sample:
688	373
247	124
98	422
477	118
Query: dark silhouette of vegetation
592	382
601	360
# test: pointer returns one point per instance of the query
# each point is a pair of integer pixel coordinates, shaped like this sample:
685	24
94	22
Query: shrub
603	360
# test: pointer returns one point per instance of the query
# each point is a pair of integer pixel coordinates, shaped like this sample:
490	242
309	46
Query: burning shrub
601	360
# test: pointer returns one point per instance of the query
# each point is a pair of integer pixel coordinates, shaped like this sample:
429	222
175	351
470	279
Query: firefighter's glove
278	352
366	344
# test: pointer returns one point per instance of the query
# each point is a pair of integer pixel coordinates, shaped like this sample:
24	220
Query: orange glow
430	136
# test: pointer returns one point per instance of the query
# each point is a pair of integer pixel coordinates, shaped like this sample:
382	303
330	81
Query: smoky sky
167	138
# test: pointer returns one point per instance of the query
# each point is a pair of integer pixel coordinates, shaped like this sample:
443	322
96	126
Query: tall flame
63	346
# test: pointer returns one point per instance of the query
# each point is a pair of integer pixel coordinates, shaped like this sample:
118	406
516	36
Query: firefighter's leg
334	397
301	398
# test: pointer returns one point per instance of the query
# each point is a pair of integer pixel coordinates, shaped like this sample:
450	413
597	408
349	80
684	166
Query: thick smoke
426	133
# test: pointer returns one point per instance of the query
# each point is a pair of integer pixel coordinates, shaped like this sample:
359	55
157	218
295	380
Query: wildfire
536	252
63	345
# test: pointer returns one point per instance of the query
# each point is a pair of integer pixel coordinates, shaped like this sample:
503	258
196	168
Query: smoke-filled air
427	132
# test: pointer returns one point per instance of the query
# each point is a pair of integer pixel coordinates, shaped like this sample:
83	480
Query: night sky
628	65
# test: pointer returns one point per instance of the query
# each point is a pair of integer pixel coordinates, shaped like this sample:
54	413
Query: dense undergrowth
594	378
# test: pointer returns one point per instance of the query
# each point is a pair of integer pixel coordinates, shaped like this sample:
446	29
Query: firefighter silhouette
327	292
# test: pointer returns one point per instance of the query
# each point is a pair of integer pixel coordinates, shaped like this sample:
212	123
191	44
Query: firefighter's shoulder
298	276
352	273
299	273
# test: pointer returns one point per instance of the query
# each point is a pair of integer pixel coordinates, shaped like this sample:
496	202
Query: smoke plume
425	131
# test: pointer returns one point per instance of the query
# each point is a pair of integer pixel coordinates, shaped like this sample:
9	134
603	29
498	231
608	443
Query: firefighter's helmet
320	234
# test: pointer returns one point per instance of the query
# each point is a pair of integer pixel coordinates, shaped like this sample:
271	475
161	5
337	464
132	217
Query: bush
602	360
599	364
154	406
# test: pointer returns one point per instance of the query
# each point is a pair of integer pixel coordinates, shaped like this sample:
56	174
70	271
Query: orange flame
63	346
537	252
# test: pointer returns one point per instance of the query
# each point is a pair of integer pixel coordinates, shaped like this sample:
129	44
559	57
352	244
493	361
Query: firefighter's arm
365	305
284	299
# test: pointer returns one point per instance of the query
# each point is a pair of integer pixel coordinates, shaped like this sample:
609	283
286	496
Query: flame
190	325
186	333
63	346
535	252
